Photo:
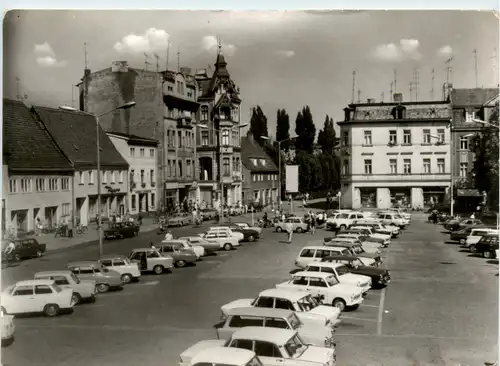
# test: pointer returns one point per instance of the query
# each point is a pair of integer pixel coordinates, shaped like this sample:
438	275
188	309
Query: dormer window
263	162
254	161
399	112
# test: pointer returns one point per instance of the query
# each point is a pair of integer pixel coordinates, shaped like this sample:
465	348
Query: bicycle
81	229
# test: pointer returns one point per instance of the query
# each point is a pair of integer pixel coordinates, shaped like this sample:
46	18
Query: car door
269	353
87	273
23	300
224	237
316	287
43	296
167	249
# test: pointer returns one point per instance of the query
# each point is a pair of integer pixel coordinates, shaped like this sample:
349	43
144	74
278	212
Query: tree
258	125
486	170
305	130
326	137
283	129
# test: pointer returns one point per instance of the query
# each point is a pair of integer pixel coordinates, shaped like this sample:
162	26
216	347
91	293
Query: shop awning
468	193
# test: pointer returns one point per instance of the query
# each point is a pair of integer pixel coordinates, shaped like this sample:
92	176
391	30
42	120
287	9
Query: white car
369	247
208	246
128	271
369	230
343	220
475	236
213	356
226	229
184	244
245	225
325	286
314	253
8	329
224	238
273	346
303	304
392	218
36	296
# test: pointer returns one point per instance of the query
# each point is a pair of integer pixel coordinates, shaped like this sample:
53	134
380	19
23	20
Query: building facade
37	177
260	174
395	154
75	135
141	155
218	137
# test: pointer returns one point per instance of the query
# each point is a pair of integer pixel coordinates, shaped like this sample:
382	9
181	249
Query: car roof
342	257
341	244
173	241
312	274
142	250
113	256
82	263
285	294
257	311
317	247
53	273
35	282
325	264
273	335
221	355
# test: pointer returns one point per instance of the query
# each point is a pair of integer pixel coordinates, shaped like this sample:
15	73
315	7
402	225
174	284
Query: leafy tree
258	124
283	129
305	130
327	137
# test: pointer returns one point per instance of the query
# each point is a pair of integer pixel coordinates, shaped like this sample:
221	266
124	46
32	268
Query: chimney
398	97
119	66
85	95
370	100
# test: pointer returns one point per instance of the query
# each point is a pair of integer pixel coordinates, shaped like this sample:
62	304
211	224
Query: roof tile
250	149
472	97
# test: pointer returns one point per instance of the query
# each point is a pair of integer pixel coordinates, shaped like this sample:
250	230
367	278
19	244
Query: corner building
395	154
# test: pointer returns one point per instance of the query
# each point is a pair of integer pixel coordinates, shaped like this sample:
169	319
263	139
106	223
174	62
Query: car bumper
357	301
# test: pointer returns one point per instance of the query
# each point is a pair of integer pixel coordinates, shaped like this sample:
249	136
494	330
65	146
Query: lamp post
98	148
220	168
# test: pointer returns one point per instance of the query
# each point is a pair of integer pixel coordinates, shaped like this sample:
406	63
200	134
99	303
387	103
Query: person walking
312	223
289	230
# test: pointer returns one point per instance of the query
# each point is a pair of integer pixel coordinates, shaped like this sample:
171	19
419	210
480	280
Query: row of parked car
294	323
56	292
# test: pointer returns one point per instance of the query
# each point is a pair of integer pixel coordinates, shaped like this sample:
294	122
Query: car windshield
331	281
56	288
342	270
307	303
294	321
74	278
295	347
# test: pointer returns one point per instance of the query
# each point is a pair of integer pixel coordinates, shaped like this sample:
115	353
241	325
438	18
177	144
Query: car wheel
158	269
39	253
76	298
228	246
51	310
300	230
342	227
102	287
472	248
279	229
339	304
251	238
462	241
180	264
126	278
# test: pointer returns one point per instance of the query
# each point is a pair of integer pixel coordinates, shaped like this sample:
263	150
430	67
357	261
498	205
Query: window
42	290
132	151
267	349
393	137
153	200
40	184
226	167
65	209
53	184
179	139
65	184
174	168
245	321
60	280
265	302
283	304
81	177
427	166
225	137
406	137
242	343
204	138
141	152
151	153
426	137
12	186
170	88
440	164
132	176
469	116
23	291
440	133
345	167
204	113
188	168
152	175
142	176
190	94
25	185
91	177
368	166
345	138
113	176
368	137
464	143
393	166
307	253
133	204
463	170
180	168
407	166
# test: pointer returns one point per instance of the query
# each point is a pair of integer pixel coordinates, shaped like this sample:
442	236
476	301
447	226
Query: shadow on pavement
447	263
492	261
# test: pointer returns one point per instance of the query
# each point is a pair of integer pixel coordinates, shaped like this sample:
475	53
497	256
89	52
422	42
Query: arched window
204	113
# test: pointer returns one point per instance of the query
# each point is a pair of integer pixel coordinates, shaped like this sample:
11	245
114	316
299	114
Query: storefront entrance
368	197
433	196
400	197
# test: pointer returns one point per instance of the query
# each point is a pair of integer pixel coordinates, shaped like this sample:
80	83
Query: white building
395	154
141	155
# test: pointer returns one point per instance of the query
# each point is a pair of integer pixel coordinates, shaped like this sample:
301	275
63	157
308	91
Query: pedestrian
313	225
144	262
151	245
289	230
169	236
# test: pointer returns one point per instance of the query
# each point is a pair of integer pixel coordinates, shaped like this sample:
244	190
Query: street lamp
220	168
98	148
484	123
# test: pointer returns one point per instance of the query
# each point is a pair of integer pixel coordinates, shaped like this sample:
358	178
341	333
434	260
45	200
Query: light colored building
141	155
37	177
75	135
395	154
218	146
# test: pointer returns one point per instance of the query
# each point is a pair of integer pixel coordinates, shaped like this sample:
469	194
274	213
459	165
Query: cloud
406	49
46	57
152	40
209	43
286	53
445	51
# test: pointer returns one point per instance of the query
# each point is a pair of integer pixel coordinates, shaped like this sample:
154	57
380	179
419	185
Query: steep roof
26	144
75	134
472	97
249	150
134	139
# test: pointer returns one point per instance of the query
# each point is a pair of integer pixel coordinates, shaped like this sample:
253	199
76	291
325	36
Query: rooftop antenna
18	88
146	62
391	97
167	56
449	76
432	85
178	60
417	83
395	81
73	95
411	91
475	67
382	97
157	62
85	52
359	96
353	84
494	64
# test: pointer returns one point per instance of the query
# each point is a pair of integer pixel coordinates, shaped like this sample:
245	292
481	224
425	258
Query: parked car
180	220
378	227
248	234
223	356
155	261
36	296
369	259
198	250
245	225
122	230
457	225
314	253
224	238
226	229
474	237
235	211
343	220
83	290
208	246
327	287
368	247
28	248
273	346
461	235
302	303
380	277
308	330
104	278
208	214
8	329
298	223
181	256
392	218
487	246
128	271
371	233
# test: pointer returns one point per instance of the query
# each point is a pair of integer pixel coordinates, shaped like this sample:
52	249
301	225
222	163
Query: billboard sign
292	178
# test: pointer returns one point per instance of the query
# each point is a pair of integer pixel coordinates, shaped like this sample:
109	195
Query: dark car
461	235
455	225
380	277
487	245
121	230
28	248
248	234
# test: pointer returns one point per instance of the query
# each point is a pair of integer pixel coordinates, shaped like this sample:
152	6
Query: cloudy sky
279	59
